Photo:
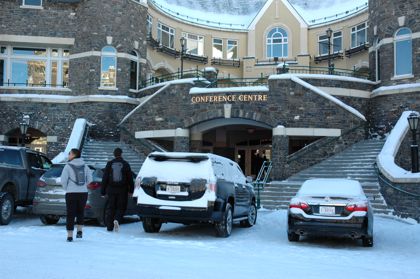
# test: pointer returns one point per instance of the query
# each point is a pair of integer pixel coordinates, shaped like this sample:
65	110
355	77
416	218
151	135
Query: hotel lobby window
33	67
195	44
166	35
277	43
109	67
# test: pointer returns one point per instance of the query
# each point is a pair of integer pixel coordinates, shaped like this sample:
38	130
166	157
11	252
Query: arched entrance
245	141
35	139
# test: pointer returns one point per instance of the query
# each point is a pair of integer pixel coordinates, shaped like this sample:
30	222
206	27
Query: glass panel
109	49
2	72
403	58
29	51
108	72
361	35
404	31
337	44
30	73
217	49
277	50
10	157
66	53
232	51
133	75
54	53
32	2
353	40
54	73
2	49
65	73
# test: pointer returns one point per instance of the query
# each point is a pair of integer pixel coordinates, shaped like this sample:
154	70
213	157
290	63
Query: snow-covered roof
238	14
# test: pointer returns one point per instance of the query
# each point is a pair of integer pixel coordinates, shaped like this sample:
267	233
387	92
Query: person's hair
117	152
75	152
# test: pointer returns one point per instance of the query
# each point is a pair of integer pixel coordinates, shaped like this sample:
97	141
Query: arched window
277	43
109	67
135	70
403	52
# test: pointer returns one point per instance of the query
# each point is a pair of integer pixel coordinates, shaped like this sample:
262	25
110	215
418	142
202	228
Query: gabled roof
238	14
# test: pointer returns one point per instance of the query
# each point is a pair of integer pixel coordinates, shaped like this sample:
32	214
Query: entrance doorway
247	145
35	139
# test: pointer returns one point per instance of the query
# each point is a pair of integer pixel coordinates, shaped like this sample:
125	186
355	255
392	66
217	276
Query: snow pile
386	158
400	88
75	140
328	97
331	188
191	252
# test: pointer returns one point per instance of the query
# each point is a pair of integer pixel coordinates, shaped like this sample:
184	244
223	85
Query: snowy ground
31	250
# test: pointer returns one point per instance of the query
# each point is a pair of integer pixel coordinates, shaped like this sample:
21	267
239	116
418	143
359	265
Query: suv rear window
54	171
10	157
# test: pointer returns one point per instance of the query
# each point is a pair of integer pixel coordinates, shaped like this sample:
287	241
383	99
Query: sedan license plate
173	189
327	210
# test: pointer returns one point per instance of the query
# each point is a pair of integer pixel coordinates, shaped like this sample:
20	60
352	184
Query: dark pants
116	206
75	203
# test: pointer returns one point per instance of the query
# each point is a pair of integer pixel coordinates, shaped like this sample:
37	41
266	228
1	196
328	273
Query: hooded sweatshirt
68	176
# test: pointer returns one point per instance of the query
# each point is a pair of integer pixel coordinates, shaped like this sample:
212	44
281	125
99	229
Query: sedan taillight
94	185
299	204
356	207
40	183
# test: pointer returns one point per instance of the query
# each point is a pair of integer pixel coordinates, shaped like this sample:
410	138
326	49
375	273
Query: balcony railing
226	62
196	58
31	84
325	71
360	48
325	57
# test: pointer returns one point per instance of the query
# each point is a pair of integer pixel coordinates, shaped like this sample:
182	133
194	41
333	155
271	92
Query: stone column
182	140
280	150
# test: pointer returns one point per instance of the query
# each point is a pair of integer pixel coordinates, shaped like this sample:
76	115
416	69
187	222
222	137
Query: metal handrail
261	179
168	77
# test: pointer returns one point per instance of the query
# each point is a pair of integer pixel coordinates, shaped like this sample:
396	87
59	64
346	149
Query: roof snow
238	14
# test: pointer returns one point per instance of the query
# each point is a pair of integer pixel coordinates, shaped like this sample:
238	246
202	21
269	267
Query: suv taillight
300	204
356	207
213	187
138	182
94	185
40	183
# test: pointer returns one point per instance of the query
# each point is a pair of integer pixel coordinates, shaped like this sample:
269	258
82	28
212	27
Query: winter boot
116	226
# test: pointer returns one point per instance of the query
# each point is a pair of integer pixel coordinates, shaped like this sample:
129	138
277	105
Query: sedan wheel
6	208
367	241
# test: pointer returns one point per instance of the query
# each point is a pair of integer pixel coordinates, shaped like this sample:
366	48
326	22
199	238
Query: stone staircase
356	162
98	153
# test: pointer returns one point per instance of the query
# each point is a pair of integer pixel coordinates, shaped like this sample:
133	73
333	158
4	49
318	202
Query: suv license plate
173	189
327	210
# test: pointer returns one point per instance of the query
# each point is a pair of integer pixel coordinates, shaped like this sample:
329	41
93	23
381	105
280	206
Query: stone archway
34	139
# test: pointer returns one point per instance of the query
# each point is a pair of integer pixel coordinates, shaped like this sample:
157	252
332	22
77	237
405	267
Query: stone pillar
181	140
280	150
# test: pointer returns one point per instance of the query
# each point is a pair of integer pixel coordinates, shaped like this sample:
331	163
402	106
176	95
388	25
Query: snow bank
328	97
199	90
75	140
400	88
386	158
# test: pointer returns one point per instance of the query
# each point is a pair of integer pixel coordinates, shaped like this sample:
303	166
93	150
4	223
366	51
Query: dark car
50	203
336	207
20	169
194	187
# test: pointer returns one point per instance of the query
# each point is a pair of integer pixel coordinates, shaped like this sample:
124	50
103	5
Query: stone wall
58	119
384	15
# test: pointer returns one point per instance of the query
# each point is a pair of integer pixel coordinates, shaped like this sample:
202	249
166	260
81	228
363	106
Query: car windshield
54	171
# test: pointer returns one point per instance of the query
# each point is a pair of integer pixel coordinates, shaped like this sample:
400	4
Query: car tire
367	241
7	205
252	217
293	237
224	228
151	225
49	219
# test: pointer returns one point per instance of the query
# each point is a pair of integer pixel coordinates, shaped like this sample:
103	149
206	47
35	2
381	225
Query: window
232	49
277	43
109	67
218	48
195	44
32	67
166	35
358	35
10	157
135	70
32	3
377	61
336	43
403	50
149	25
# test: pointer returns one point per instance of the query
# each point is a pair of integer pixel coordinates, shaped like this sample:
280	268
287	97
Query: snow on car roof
331	187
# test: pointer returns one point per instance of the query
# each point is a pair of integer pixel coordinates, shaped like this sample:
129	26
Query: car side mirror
249	179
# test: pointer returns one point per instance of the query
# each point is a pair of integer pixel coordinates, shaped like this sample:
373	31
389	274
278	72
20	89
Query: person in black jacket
117	184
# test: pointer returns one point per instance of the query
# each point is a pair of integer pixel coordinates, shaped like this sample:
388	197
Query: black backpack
79	173
116	173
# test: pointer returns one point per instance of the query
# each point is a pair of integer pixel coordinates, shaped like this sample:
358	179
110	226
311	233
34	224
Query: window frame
107	54
398	39
171	33
333	37
187	37
135	58
149	25
269	42
212	48
9	57
354	30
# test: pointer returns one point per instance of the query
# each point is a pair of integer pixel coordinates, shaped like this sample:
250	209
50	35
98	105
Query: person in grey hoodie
75	177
